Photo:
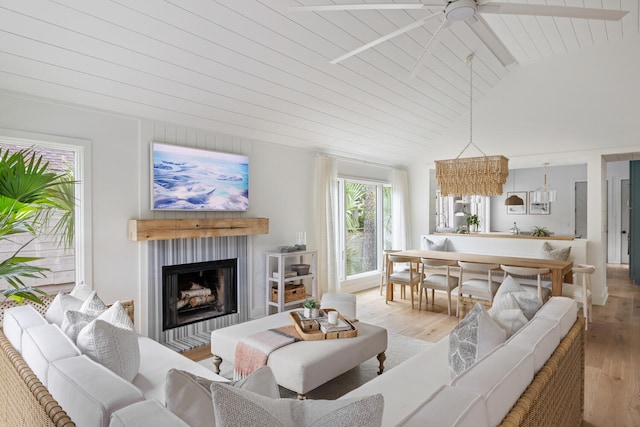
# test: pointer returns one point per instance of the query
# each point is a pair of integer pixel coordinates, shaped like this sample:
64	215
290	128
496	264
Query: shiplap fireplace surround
183	241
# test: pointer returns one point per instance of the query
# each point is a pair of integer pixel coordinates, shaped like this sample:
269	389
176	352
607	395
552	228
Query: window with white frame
364	226
57	249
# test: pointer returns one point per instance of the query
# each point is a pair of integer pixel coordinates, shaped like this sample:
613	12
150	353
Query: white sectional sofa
421	391
71	388
521	380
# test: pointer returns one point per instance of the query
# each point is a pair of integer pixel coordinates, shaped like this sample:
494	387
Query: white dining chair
385	263
397	273
436	275
580	290
477	281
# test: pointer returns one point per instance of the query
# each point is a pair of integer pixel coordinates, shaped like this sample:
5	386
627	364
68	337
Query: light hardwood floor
612	373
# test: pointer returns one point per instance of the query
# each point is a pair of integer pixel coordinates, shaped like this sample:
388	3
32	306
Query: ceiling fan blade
555	11
384	38
365	6
428	48
480	27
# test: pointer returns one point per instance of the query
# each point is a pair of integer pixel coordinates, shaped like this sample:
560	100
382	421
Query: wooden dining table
560	270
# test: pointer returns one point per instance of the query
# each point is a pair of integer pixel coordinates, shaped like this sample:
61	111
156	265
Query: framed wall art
517	209
538	208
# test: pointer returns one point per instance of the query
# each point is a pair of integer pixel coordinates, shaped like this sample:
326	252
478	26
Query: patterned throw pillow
528	302
113	347
81	291
440	245
61	303
475	336
93	305
508	314
189	396
236	407
560	254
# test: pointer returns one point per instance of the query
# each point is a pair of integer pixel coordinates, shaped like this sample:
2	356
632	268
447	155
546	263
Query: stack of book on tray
325	326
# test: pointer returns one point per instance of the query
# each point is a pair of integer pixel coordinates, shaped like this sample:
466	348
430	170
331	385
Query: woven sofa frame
24	400
555	397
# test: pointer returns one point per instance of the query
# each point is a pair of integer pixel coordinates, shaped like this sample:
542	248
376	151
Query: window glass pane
361	218
55	246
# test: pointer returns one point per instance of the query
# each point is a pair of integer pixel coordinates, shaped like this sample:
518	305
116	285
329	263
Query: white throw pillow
74	321
508	314
440	245
113	347
475	336
81	291
560	254
528	302
236	407
93	305
189	396
117	315
61	303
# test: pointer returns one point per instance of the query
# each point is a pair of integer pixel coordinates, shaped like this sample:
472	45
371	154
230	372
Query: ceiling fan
467	11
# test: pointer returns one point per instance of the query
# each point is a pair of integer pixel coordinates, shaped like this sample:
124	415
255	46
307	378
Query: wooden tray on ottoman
313	334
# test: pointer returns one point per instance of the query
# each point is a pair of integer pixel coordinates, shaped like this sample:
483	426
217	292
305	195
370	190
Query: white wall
561	220
280	188
114	177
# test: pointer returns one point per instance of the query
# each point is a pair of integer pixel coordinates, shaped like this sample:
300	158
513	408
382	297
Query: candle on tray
332	317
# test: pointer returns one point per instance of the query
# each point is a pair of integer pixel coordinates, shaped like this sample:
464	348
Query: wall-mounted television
189	179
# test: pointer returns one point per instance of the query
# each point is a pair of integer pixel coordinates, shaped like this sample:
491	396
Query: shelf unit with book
284	289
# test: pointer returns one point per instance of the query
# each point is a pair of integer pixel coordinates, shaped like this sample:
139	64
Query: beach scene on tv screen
192	179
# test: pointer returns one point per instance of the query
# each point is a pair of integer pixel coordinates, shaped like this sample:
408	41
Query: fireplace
198	291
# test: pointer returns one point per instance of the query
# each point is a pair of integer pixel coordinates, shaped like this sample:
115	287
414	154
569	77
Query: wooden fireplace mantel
167	229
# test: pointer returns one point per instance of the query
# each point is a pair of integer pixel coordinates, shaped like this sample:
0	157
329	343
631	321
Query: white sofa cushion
500	377
476	335
145	413
16	320
88	391
407	385
112	346
61	303
44	344
157	360
237	407
451	407
561	309
541	337
189	396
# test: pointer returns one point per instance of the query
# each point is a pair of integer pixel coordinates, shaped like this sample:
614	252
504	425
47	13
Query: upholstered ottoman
304	365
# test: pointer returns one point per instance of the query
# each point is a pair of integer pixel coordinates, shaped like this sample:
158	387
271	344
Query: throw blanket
253	351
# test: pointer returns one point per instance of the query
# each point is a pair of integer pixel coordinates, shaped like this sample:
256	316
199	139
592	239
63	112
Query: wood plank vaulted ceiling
255	69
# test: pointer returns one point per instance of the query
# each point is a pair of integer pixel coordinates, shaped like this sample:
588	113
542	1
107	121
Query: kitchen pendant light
544	194
514	200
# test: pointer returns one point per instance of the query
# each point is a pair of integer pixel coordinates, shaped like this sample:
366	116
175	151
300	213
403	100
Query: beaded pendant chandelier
481	176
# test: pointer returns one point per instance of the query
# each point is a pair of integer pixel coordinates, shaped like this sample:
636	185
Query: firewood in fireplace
195	293
201	300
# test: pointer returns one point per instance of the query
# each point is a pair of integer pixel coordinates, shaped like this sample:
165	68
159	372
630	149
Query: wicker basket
293	292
